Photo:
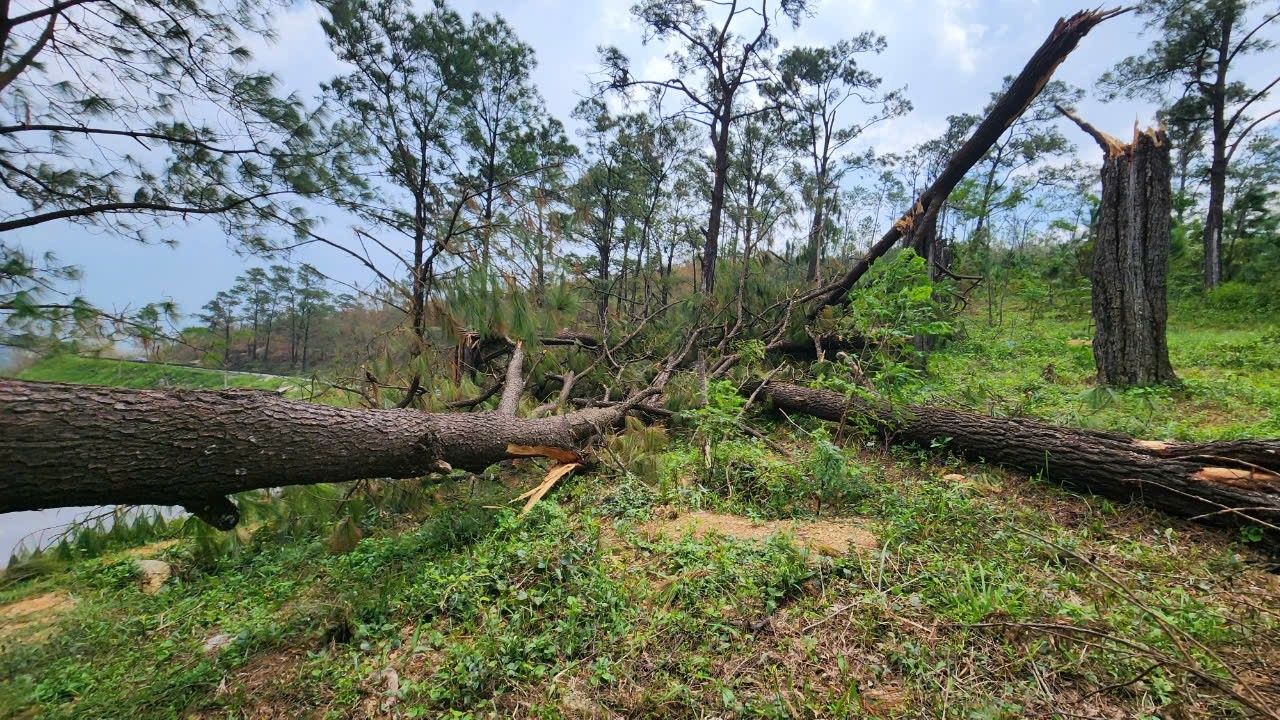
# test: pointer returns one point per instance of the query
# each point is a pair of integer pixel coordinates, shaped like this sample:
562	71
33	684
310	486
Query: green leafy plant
896	314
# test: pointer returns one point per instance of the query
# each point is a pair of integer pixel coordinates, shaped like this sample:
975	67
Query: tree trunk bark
711	249
1213	219
1131	259
816	231
1218	163
63	445
513	388
1231	483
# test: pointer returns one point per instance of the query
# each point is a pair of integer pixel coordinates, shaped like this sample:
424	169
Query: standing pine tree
717	67
1193	67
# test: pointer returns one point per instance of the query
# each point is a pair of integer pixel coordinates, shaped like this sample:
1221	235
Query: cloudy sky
950	54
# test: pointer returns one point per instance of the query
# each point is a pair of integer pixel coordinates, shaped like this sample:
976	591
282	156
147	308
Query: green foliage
834	481
492	306
124	373
1242	299
533	594
717	419
891	312
174	69
636	450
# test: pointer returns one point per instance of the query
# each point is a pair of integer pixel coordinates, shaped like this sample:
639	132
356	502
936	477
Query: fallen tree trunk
1229	483
920	222
64	445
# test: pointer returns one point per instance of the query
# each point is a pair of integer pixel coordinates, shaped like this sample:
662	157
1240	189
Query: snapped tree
1131	258
64	444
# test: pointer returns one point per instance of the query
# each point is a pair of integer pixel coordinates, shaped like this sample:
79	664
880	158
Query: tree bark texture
1213	219
720	173
63	445
1131	259
817	228
513	387
920	222
1229	483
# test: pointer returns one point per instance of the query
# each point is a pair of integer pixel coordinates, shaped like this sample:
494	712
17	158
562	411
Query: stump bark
1131	259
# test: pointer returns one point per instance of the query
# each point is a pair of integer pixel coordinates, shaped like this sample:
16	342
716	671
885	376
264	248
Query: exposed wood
63	445
1110	146
1220	484
920	221
544	487
555	453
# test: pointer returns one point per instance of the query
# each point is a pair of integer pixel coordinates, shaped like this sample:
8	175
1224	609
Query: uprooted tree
73	445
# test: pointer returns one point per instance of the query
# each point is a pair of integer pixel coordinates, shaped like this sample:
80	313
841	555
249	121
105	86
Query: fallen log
513	387
1225	484
64	445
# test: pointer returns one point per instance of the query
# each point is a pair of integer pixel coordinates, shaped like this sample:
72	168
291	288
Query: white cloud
902	133
958	38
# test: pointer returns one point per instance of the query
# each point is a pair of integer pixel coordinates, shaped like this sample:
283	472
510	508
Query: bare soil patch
827	537
30	620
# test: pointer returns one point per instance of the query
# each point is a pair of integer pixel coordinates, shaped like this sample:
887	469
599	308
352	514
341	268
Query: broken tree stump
1131	258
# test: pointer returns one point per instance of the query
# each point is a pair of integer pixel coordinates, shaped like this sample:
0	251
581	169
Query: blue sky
950	54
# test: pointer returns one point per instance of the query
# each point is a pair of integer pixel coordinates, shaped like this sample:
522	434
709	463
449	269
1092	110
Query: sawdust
52	603
827	537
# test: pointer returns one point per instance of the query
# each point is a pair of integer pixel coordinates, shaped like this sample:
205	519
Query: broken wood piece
553	476
555	453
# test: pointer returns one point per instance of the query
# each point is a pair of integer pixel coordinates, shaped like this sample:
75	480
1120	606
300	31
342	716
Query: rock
216	643
152	575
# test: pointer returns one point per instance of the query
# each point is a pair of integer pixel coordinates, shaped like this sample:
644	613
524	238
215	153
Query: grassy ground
1230	377
966	592
124	373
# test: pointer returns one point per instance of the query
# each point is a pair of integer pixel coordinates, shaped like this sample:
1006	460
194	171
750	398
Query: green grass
121	373
993	596
1230	379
